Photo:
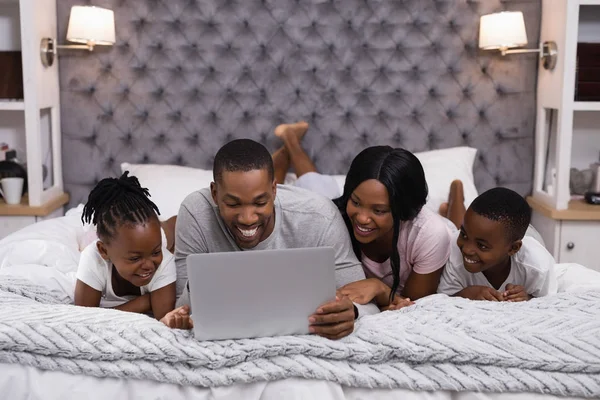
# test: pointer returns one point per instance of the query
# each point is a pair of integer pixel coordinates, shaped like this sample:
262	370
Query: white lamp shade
91	24
502	30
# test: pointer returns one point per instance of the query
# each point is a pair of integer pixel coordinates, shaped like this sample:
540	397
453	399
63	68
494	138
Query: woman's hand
364	291
398	303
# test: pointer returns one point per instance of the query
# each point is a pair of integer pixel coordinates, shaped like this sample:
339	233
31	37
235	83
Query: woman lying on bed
128	267
403	246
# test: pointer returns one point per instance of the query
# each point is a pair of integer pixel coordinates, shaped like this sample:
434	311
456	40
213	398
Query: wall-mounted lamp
505	30
89	25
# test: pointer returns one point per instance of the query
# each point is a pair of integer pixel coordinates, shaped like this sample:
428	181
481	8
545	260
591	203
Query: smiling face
484	244
369	211
135	251
246	202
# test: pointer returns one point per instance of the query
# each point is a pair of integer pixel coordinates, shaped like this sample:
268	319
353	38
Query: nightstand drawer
12	223
580	243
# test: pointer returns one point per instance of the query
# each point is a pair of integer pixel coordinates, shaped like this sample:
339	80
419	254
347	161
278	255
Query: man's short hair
242	155
505	206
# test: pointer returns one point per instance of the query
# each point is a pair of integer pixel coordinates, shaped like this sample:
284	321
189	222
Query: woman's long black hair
402	174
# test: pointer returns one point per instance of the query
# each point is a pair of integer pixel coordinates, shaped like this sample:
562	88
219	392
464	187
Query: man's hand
515	293
398	303
333	320
179	318
481	293
364	291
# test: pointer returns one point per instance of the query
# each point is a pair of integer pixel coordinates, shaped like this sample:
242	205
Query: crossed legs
291	153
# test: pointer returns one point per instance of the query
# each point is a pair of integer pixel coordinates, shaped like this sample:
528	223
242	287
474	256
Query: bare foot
297	129
443	210
457	193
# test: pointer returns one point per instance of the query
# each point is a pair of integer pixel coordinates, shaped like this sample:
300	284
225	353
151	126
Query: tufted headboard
186	76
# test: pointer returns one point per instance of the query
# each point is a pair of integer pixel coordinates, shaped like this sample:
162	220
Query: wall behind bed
187	76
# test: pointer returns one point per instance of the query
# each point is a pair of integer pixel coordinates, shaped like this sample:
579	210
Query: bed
438	349
187	76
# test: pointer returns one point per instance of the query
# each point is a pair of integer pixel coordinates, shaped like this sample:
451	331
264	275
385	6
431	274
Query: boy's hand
481	293
398	303
179	318
333	320
363	291
515	293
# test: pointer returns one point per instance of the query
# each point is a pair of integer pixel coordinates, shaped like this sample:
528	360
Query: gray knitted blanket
549	345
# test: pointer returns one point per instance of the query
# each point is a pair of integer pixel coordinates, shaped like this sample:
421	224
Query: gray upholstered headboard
186	76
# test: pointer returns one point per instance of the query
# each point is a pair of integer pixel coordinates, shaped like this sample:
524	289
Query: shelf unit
567	135
12	105
33	123
586	106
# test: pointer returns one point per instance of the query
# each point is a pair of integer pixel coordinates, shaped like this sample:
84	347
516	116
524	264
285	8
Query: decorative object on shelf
587	85
505	30
10	169
11	75
593	198
11	189
89	25
6	153
580	181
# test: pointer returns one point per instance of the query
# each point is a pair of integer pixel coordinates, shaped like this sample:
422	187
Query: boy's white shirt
531	267
96	272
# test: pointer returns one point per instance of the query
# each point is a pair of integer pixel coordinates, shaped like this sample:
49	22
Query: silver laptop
248	294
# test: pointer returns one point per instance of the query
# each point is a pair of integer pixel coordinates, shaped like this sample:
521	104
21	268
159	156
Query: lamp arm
520	51
89	47
548	53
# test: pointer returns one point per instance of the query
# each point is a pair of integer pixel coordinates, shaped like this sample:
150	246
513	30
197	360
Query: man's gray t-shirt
302	219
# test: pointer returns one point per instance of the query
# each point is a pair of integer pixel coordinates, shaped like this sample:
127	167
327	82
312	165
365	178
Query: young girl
402	245
128	267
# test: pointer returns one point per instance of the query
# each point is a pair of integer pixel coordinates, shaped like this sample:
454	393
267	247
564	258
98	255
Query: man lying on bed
244	209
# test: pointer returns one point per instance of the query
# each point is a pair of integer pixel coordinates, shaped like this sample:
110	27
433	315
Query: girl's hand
179	318
398	303
364	291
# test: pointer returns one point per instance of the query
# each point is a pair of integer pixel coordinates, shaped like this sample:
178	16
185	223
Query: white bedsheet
48	252
18	382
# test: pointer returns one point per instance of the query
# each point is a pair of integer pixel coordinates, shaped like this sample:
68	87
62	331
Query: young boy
493	259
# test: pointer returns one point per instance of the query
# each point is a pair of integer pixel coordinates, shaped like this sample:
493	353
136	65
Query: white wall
10	27
12	131
589	24
586	139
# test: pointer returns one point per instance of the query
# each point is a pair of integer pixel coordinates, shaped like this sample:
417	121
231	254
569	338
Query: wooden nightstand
571	235
15	217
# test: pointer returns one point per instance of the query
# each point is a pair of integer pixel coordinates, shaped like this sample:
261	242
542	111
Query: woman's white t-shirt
96	272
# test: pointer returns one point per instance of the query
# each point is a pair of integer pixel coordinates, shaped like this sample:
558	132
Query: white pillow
169	185
442	167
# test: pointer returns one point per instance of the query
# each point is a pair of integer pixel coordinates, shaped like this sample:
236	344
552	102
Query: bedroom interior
165	83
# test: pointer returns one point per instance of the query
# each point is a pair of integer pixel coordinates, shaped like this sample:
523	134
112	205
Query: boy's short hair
505	206
242	155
